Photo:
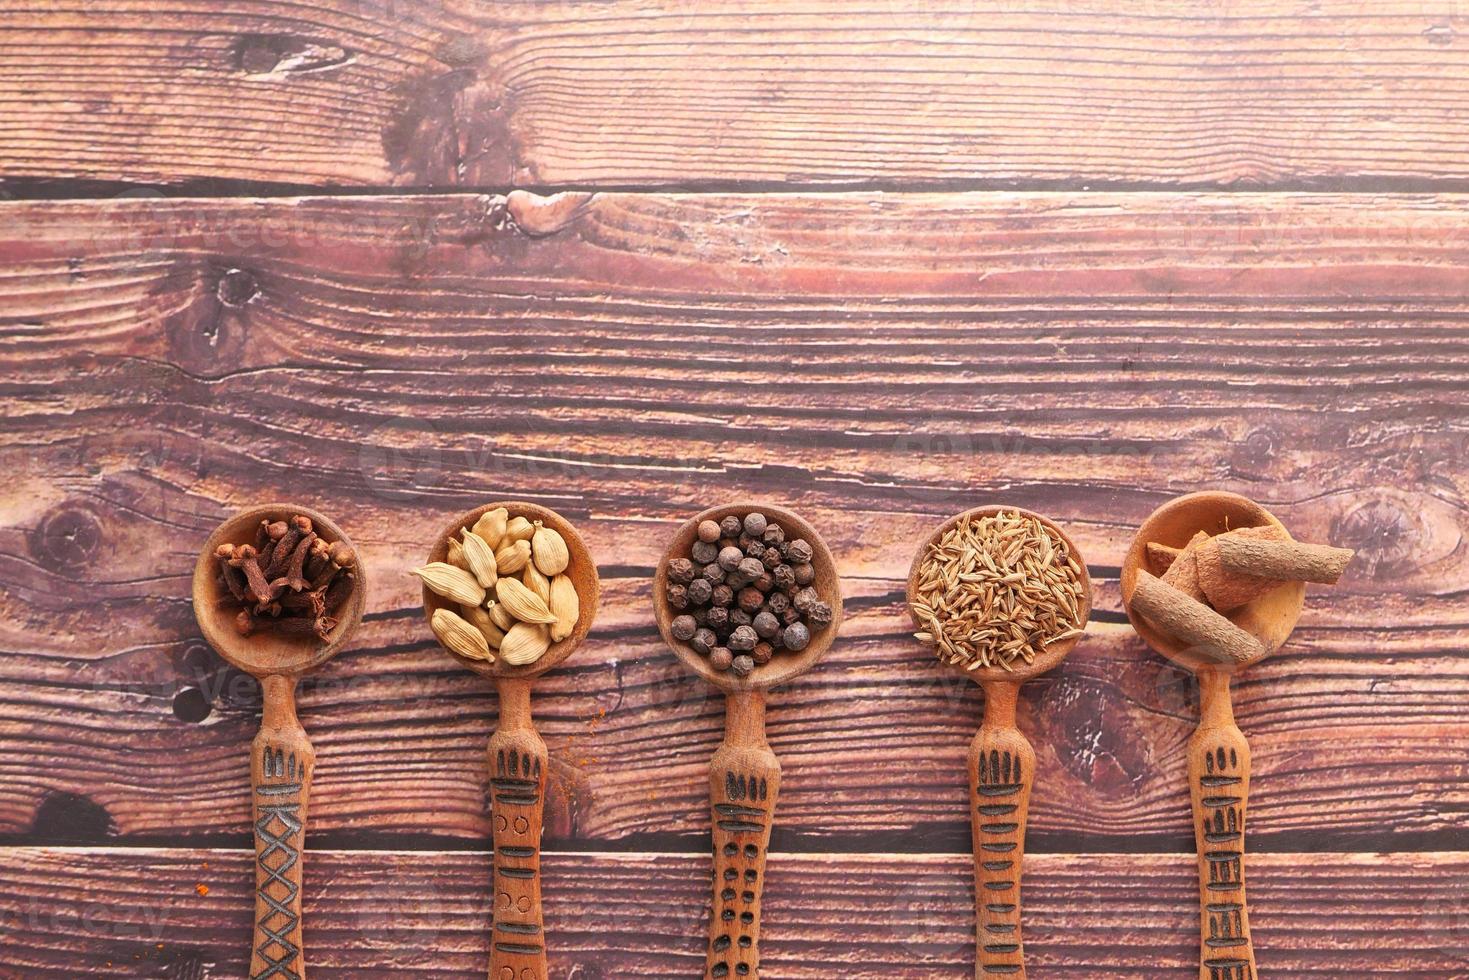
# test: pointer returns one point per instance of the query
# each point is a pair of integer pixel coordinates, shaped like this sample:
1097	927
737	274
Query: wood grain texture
676	92
621	358
139	913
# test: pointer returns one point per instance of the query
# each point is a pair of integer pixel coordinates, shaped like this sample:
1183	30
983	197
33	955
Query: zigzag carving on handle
278	826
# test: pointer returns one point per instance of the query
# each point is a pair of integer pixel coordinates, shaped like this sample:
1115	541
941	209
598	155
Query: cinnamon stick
1227	588
1285	561
1183	574
1190	621
1161	556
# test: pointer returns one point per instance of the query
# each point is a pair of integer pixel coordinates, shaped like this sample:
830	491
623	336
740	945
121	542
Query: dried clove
229	575
291	581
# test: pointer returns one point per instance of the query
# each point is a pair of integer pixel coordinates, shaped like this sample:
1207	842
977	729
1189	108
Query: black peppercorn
764	583
731	526
720	658
762	653
819	614
766	625
743	639
678	597
681	571
704	552
708	531
700	591
718	617
799	552
683	628
738	617
703	641
750	569
771	558
805	598
729	558
791	615
784	575
778	603
743	664
755	548
805	574
701	615
713	574
796	636
774	534
750	599
755	524
721	595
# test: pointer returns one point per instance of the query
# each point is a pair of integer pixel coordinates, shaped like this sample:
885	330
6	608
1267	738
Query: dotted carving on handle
741	814
1000	781
1222	831
278	826
516	789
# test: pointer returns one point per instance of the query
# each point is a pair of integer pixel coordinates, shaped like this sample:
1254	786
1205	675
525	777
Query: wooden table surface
877	262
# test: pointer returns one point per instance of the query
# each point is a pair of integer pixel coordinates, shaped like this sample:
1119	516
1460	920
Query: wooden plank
393	361
139	912
670	92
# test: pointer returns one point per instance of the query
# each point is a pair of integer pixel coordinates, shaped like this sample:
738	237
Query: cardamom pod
499	615
451	583
549	549
518	529
512	557
565	606
537	583
456	555
521	602
479	557
479	617
524	644
491	526
460	636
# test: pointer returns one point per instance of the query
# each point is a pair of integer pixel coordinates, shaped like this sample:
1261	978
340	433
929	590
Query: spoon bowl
1270	617
267	653
1053	653
784	665
582	569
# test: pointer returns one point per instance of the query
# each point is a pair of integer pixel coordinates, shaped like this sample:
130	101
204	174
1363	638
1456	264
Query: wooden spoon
282	760
1218	755
518	761
1002	773
744	777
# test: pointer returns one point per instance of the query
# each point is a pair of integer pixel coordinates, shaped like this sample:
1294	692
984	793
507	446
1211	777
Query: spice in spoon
291	581
509	577
744	593
996	589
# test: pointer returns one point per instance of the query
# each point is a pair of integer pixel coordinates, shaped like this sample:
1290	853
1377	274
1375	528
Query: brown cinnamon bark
1209	634
1286	561
1183	574
1227	588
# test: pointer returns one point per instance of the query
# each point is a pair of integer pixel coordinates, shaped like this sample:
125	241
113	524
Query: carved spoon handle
518	765
744	783
1001	773
280	771
1219	777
